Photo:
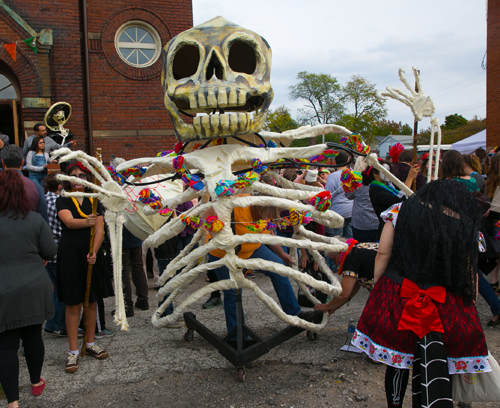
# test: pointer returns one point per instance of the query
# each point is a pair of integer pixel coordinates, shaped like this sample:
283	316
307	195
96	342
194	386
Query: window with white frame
138	44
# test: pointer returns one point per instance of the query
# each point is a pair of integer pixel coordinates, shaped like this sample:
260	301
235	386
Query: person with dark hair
382	193
25	292
50	145
421	312
55	326
480	153
37	160
12	158
453	167
402	167
4	141
472	167
72	263
340	203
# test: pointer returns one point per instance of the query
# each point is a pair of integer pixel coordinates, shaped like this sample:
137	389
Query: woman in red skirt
421	312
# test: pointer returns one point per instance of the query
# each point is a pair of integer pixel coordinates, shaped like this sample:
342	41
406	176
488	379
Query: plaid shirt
54	221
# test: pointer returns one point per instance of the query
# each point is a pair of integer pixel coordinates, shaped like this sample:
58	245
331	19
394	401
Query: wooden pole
16	125
415	133
89	276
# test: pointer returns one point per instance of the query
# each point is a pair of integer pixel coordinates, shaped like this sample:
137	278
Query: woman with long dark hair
72	263
25	291
426	265
492	191
37	160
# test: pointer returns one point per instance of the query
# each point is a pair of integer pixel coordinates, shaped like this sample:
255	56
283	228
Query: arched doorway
10	106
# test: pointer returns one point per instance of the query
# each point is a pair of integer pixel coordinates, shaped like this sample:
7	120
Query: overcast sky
445	39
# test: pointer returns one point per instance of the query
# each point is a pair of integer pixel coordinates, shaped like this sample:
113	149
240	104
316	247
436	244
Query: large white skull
220	73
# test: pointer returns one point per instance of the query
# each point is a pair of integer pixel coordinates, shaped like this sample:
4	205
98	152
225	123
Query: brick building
125	111
493	75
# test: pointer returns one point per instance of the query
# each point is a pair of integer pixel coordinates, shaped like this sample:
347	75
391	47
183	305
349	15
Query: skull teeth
215	98
220	125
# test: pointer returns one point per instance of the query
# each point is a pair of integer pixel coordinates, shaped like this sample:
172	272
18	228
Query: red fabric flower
460	365
396	359
372	349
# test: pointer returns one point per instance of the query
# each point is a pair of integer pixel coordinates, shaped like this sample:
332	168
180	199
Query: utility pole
415	132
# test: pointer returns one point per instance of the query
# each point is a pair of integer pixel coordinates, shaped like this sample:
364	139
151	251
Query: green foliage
454	121
279	120
323	96
361	95
389	127
450	136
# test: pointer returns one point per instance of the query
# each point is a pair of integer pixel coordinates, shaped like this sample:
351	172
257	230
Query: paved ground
157	368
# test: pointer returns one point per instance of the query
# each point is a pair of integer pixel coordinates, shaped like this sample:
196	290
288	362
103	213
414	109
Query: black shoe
313	316
213	301
129	312
142	304
58	333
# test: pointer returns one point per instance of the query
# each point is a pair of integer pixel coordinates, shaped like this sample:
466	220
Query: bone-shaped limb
306	132
372	161
420	104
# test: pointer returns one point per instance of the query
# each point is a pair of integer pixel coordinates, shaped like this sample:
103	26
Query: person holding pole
79	216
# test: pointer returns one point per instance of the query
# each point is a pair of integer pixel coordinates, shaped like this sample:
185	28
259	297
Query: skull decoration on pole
219	74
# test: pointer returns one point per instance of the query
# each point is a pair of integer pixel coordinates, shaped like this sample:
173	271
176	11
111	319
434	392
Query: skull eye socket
186	61
242	57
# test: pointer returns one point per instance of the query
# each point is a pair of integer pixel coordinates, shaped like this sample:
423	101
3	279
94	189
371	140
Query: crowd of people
441	243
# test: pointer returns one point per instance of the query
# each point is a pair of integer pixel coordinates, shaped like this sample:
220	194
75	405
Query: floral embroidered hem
397	359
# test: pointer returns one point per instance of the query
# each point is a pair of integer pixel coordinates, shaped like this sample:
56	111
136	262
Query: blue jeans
281	285
286	235
344	231
37	177
58	321
488	294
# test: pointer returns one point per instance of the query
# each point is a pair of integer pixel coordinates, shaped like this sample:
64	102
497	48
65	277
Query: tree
385	127
454	121
323	96
456	134
361	95
280	120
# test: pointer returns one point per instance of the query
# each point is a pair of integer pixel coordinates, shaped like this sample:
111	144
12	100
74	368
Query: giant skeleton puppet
218	73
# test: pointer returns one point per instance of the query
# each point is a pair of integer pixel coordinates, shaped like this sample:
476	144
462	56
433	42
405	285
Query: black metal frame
240	351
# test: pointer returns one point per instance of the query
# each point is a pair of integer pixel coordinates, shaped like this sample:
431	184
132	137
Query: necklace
77	205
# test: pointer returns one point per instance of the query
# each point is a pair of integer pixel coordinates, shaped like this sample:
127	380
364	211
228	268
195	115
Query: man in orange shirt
273	253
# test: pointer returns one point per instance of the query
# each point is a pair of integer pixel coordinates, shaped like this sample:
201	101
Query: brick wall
126	101
493	75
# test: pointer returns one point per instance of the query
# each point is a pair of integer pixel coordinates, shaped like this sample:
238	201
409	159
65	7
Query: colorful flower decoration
295	218
166	212
178	147
135	171
213	224
350	180
178	164
497	224
271	143
193	181
259	167
322	201
355	142
194	222
166	153
227	187
116	176
147	197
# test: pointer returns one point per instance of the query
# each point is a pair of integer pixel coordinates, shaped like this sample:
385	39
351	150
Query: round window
138	44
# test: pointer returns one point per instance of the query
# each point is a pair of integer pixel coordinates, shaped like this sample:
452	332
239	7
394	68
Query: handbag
480	387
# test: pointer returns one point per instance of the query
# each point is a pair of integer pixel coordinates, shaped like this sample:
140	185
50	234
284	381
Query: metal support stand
237	349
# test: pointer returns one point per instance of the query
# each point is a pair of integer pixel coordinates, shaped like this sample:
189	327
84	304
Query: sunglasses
491	154
82	176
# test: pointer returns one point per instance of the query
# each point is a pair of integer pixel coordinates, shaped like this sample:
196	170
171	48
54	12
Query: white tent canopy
470	144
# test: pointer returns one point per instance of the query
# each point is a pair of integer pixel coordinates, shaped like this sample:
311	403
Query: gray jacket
25	293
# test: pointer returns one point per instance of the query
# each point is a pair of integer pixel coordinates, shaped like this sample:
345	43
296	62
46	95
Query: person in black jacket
382	193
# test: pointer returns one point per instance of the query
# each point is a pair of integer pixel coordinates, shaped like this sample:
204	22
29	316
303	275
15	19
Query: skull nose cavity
214	68
186	61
